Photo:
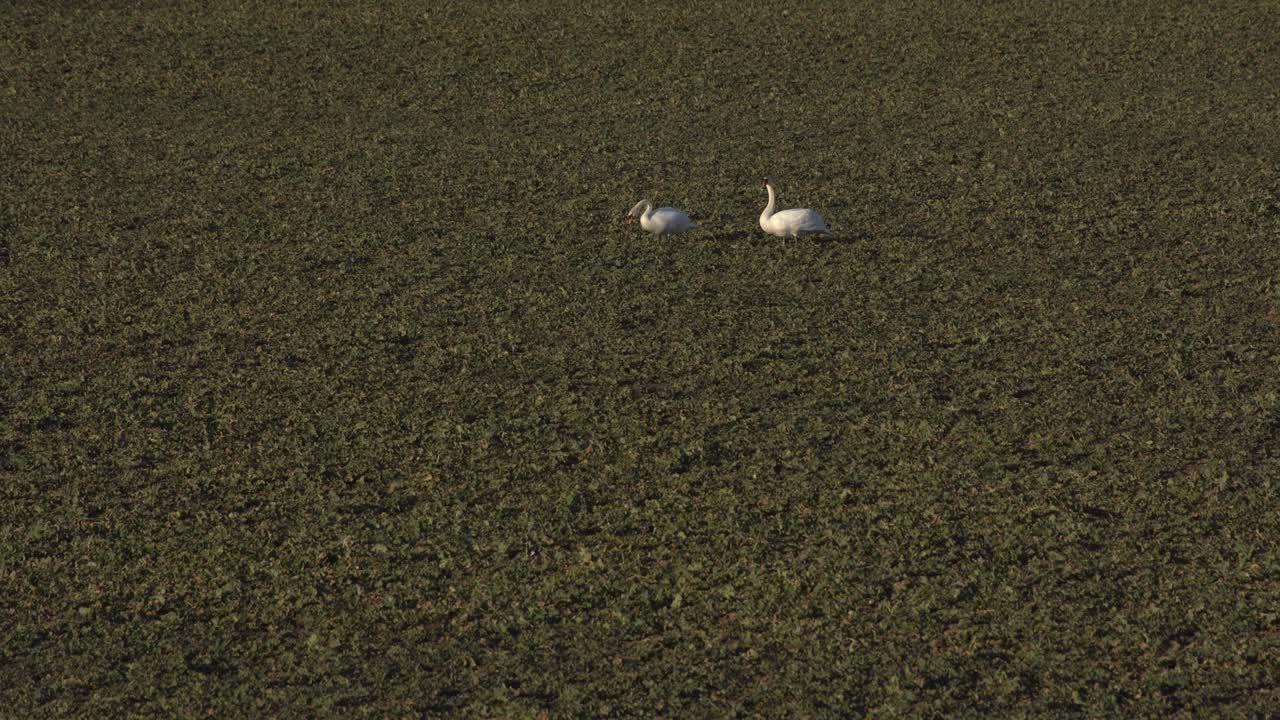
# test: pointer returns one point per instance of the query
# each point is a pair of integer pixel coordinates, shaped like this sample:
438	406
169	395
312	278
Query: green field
335	384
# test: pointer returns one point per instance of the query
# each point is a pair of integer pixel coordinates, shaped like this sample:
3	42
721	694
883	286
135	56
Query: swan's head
767	182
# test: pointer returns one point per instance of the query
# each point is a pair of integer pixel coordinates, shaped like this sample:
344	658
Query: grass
334	382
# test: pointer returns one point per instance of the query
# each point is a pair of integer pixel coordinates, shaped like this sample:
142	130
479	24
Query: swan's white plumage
662	221
796	223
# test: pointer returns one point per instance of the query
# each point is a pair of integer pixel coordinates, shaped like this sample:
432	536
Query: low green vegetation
335	384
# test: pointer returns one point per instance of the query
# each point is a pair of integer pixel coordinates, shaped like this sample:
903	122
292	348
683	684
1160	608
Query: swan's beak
629	219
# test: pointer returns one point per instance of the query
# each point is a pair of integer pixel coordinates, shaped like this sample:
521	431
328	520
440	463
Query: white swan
795	223
663	221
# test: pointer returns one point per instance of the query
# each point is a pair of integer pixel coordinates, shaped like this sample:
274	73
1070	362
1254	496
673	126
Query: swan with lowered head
796	223
663	221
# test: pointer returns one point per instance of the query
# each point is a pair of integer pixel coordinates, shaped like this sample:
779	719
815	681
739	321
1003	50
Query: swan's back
798	222
669	220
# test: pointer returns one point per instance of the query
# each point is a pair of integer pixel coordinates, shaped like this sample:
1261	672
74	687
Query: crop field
334	383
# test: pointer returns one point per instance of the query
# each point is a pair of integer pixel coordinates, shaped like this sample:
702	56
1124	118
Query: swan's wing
670	218
817	224
802	220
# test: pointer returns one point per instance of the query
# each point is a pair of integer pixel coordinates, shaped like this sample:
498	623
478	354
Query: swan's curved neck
646	205
768	209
